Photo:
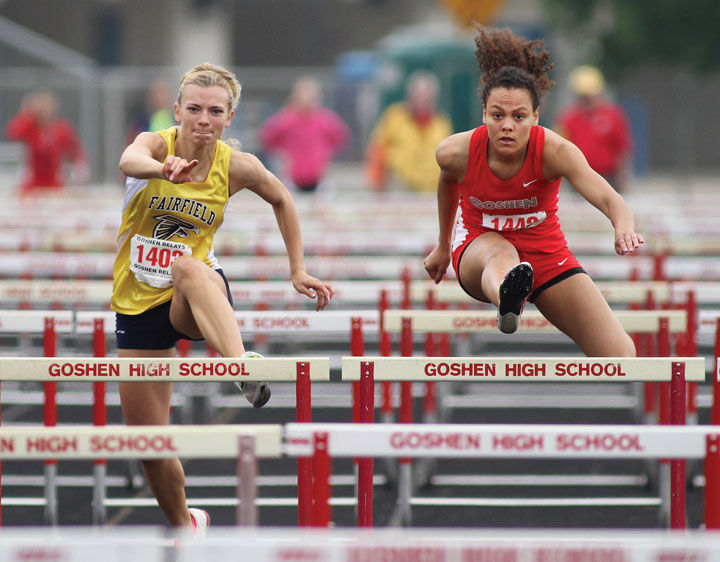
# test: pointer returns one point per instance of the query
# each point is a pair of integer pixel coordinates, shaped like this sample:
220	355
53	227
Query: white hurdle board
523	369
33	321
366	292
439	321
152	544
501	440
264	322
190	441
164	369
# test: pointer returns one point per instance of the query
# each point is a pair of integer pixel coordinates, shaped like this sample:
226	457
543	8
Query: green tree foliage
681	33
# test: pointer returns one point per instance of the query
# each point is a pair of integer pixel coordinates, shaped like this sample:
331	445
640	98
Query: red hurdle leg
712	482
365	465
406	350
677	466
357	349
646	348
403	515
321	480
431	345
50	418
664	467
385	351
304	414
246	514
715	411
663	338
387	414
691	351
99	419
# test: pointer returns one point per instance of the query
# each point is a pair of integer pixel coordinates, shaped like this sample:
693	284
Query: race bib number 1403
152	258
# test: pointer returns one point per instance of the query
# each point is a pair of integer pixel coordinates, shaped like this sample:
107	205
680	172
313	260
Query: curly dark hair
509	61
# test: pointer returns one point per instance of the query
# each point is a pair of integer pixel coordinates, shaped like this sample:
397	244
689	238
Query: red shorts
549	268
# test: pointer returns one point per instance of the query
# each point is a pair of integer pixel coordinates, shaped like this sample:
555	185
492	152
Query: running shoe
514	289
257	393
200	522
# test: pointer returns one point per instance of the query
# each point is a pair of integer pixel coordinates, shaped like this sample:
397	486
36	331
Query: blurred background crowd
372	85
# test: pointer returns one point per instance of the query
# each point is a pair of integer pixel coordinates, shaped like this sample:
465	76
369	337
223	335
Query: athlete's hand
437	262
627	241
313	288
177	170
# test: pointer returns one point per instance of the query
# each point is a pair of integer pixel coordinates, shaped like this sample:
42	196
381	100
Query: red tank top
522	208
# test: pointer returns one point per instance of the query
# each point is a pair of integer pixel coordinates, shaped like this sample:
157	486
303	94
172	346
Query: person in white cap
598	127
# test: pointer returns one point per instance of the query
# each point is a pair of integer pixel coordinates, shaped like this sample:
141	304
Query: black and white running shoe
257	393
514	289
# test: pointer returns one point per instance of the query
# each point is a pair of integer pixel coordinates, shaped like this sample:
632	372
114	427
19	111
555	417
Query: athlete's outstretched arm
451	156
246	171
562	158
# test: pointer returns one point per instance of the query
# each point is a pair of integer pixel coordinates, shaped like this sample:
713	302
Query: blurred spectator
306	134
157	114
406	136
598	127
50	142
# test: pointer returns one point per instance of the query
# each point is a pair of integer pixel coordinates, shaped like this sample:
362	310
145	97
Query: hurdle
98	324
675	371
362	545
660	322
246	443
93	369
522	441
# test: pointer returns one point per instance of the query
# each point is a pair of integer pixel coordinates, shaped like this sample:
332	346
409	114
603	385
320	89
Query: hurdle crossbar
33	321
152	442
442	321
502	440
446	544
176	369
265	321
523	369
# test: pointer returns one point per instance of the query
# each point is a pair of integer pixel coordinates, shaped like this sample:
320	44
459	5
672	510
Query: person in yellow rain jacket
402	146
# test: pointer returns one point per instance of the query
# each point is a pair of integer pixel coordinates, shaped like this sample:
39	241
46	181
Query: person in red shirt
50	142
505	177
598	127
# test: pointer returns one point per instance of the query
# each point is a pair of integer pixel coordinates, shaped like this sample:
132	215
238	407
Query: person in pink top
598	127
505	176
306	134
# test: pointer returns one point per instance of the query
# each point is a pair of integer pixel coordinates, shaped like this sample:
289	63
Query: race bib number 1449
151	259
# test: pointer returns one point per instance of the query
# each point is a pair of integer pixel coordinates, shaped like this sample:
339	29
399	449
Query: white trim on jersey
133	186
461	232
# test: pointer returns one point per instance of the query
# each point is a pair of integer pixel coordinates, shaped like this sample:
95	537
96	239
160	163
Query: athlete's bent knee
186	268
628	348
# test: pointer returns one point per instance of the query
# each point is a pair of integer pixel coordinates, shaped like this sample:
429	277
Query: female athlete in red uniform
505	176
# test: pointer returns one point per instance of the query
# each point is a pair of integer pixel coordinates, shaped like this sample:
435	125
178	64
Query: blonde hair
206	75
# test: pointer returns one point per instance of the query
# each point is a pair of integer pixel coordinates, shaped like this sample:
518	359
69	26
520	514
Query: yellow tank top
162	220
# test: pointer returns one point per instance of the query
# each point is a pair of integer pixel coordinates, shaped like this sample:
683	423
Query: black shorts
152	329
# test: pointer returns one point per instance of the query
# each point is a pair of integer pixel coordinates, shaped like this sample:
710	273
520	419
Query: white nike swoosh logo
528	183
562	262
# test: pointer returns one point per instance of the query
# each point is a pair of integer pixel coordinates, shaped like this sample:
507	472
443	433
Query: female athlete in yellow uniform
167	283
